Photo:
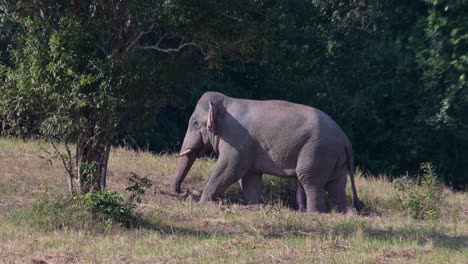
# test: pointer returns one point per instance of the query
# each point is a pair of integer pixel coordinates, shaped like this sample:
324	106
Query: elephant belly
278	168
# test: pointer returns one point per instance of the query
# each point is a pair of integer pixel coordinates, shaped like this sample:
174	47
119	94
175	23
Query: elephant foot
252	188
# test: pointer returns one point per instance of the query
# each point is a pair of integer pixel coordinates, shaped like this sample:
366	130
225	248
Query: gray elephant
274	137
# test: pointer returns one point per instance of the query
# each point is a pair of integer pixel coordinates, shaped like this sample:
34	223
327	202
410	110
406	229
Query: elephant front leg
228	170
252	188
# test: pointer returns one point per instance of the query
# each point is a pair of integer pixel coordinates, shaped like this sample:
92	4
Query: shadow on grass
276	190
165	229
282	191
417	234
421	236
52	213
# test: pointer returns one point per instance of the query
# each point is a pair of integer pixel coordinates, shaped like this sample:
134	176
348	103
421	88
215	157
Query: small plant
422	197
89	173
109	207
137	188
97	210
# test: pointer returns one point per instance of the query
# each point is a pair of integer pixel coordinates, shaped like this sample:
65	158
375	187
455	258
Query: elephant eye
195	124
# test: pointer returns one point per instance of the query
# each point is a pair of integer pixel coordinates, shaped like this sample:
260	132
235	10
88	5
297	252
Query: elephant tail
358	204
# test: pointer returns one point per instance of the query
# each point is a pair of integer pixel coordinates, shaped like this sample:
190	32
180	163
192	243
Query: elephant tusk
183	153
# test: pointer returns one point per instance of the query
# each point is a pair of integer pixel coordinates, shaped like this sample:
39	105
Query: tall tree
83	71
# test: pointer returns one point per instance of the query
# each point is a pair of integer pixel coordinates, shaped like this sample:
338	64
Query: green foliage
94	211
89	173
56	211
391	73
109	207
85	73
137	187
423	198
57	67
444	63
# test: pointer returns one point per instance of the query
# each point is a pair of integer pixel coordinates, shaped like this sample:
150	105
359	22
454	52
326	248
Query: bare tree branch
137	38
229	16
134	43
62	157
67	165
161	39
72	176
172	50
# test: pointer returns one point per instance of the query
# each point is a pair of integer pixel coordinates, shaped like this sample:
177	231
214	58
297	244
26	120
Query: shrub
109	207
421	197
137	188
95	211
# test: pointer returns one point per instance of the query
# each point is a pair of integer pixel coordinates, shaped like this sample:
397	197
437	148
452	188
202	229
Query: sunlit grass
178	231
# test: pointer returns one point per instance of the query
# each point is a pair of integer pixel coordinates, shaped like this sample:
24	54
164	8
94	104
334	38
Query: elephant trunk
184	164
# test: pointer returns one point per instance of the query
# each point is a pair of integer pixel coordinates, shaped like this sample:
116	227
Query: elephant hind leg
336	189
313	188
314	168
315	199
252	188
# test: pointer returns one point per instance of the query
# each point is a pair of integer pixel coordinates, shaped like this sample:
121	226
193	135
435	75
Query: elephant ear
211	121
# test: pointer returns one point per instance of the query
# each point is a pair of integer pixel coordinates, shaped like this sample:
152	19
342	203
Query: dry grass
225	232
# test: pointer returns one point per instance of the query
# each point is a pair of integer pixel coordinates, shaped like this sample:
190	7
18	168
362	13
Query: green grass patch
95	212
40	222
52	211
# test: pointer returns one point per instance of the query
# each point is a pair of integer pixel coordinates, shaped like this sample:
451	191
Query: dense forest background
393	74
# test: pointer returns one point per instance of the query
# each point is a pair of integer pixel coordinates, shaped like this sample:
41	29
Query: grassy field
177	231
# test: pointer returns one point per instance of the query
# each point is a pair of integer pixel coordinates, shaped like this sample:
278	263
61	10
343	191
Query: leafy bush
138	187
421	197
95	211
109	207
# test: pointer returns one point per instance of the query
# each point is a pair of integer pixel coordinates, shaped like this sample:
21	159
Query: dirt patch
13	202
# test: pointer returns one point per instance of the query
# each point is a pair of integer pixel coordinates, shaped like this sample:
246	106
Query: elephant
279	138
300	198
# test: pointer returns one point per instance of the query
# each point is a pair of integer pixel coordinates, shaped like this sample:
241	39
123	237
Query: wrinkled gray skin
274	137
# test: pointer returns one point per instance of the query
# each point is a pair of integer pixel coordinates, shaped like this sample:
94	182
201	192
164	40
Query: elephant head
202	134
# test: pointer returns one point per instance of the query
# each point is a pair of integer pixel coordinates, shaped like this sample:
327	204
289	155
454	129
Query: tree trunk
92	160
